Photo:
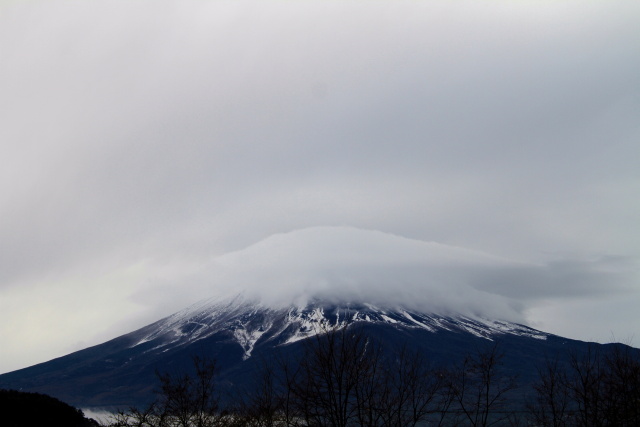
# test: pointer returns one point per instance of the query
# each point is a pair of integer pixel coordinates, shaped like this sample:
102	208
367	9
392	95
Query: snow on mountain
247	322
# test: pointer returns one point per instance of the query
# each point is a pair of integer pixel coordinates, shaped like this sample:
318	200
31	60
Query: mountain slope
239	333
250	322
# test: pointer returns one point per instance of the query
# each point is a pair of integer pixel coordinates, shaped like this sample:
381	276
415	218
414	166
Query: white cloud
346	263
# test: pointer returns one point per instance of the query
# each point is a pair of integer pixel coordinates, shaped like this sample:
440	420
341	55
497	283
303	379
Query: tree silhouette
480	387
22	409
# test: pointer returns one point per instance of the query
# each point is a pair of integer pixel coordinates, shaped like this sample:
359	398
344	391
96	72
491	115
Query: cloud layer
349	264
141	141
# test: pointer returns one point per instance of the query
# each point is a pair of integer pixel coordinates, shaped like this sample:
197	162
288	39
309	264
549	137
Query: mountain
240	333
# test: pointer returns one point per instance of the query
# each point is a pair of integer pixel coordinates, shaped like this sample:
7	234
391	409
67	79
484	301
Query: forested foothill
22	409
346	378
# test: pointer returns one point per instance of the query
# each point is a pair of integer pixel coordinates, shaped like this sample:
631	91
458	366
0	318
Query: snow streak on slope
248	322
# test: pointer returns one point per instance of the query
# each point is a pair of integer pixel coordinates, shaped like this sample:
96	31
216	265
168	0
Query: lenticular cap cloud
345	264
348	264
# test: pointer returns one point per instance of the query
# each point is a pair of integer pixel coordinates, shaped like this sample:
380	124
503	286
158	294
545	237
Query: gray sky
479	157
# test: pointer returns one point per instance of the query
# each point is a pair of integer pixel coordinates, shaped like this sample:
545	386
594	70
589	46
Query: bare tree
622	387
481	388
184	400
134	417
346	378
586	385
412	389
264	404
552	404
190	401
336	363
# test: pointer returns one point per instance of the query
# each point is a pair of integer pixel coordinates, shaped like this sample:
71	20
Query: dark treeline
23	409
345	378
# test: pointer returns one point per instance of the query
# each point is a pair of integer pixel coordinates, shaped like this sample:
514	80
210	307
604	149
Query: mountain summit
249	323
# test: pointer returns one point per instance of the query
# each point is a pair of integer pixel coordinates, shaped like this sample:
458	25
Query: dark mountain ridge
239	333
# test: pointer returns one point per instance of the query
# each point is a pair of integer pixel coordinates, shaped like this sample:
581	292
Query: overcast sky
481	157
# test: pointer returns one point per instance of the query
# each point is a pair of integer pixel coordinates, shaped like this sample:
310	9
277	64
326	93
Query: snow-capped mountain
240	332
248	322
